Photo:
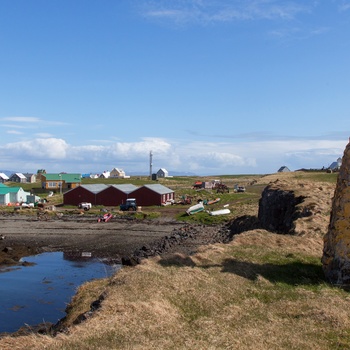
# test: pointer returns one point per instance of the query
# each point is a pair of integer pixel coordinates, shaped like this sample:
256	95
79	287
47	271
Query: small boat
106	217
213	201
220	212
195	208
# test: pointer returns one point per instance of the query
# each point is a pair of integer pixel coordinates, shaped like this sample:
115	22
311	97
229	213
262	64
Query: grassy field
260	291
183	186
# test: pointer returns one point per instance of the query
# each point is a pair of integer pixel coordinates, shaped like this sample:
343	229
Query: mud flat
26	235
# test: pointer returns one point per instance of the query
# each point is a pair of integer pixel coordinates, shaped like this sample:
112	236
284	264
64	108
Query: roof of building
163	170
283	169
20	175
126	188
5	190
159	188
4	176
63	176
94	188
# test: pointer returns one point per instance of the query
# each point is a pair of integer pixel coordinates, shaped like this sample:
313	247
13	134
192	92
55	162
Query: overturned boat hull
220	212
195	209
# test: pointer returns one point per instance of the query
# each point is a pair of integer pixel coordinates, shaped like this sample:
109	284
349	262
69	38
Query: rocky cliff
296	207
278	208
336	251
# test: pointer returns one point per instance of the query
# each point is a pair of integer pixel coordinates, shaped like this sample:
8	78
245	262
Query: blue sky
209	86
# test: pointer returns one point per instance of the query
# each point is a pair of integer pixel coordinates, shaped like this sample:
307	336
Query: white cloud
43	135
222	10
22	119
14	132
203	158
49	148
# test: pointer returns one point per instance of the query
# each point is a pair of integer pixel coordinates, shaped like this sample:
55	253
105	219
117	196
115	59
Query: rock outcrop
336	251
278	208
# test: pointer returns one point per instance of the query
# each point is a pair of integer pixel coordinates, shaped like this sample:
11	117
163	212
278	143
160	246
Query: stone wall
336	251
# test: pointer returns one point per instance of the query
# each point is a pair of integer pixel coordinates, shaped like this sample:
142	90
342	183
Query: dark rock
277	209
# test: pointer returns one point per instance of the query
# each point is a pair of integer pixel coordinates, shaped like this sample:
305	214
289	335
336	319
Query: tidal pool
39	293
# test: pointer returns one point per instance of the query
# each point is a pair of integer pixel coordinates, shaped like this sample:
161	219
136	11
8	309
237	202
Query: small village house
3	178
18	177
105	175
60	181
31	178
283	169
161	173
335	166
118	173
13	195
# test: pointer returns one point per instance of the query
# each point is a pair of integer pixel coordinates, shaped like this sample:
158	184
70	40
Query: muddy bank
119	239
25	235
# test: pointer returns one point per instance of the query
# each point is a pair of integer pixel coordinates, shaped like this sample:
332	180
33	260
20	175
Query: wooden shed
153	194
83	193
114	195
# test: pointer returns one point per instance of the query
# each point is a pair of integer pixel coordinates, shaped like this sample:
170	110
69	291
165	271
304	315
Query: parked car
85	205
239	188
129	205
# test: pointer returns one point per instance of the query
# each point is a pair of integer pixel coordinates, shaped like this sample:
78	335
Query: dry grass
261	291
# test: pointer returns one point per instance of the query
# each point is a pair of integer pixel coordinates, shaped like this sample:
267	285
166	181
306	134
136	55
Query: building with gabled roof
162	173
12	195
115	195
31	178
99	194
83	193
283	169
60	181
118	173
335	166
153	194
3	177
105	175
18	177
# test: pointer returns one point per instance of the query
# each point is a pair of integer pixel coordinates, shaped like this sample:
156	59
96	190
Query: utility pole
150	165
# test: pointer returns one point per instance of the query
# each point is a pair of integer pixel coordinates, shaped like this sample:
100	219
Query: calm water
40	293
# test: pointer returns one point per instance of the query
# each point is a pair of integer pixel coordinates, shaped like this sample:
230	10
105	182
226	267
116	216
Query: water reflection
40	293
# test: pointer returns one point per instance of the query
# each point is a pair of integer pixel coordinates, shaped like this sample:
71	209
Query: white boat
220	212
195	209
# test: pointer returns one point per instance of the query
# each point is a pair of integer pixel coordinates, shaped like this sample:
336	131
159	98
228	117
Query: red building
83	193
114	195
154	194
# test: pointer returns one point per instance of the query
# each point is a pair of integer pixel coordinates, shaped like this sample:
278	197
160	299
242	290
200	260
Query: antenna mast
150	164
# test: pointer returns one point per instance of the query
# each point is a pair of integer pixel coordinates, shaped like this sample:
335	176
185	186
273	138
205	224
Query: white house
119	173
336	165
12	195
3	177
162	173
105	175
